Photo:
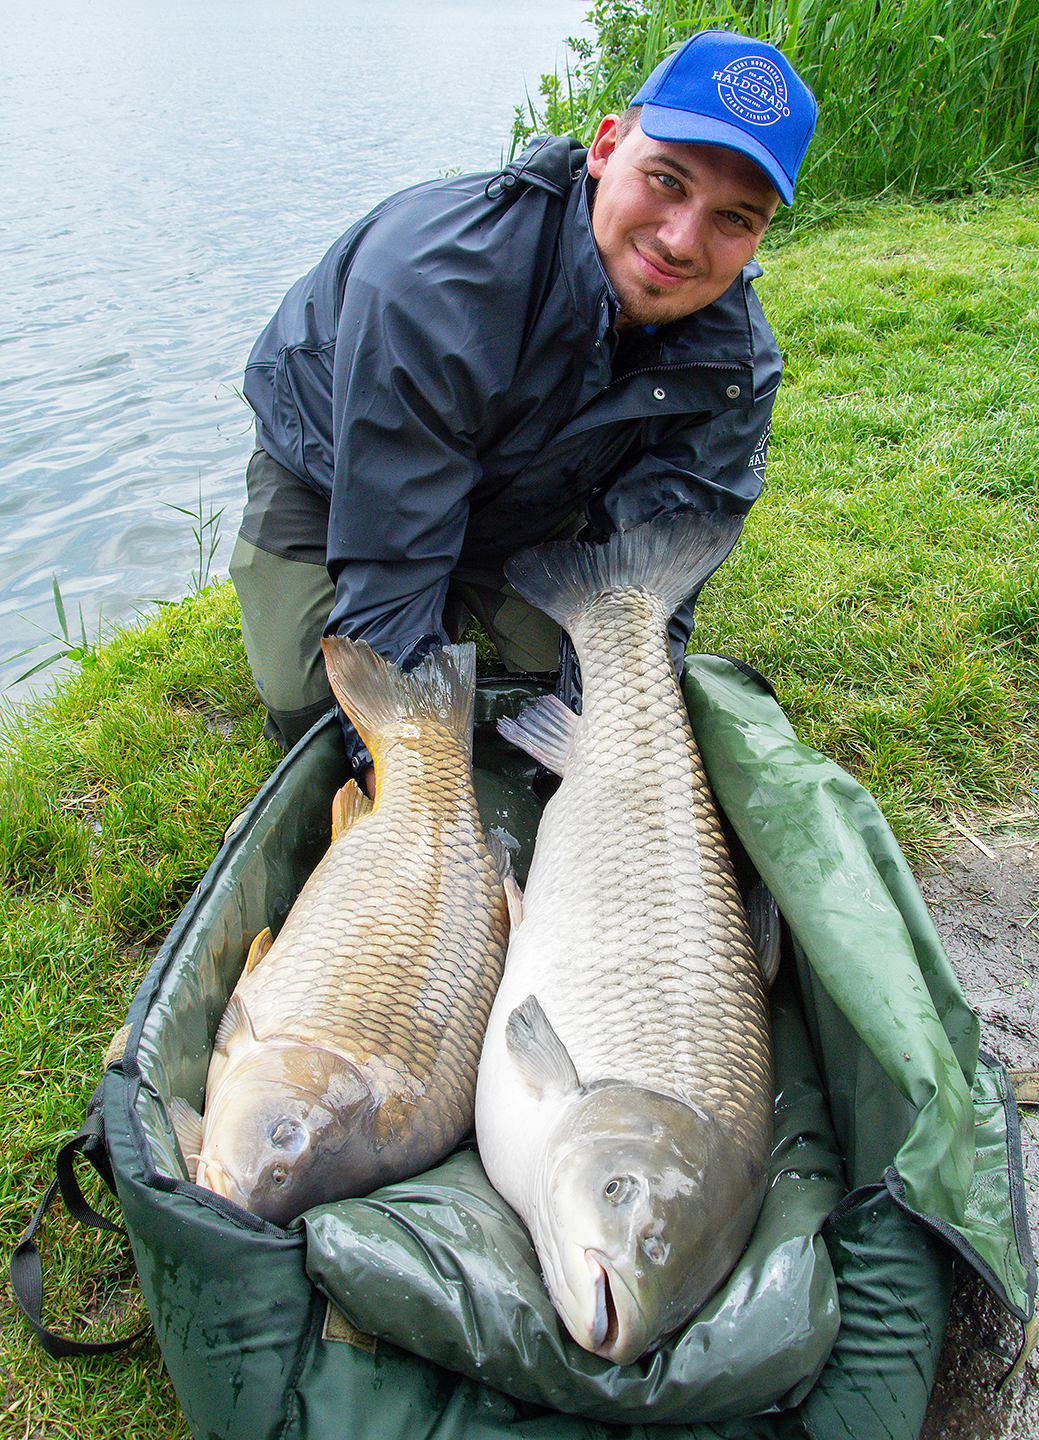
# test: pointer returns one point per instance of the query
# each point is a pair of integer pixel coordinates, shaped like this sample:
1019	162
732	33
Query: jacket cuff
412	656
358	756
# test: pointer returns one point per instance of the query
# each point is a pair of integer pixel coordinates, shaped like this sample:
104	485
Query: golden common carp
625	1094
346	1057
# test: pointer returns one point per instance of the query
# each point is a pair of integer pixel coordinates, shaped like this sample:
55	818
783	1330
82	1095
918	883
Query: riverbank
887	584
984	898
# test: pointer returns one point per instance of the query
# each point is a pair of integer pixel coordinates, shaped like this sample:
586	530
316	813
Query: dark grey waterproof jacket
450	378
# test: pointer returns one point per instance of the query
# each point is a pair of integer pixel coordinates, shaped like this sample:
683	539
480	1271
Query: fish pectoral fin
501	857
235	1028
349	805
539	1055
514	900
545	729
187	1126
258	949
766	929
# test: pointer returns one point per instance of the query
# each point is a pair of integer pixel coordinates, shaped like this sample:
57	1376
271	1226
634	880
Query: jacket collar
586	281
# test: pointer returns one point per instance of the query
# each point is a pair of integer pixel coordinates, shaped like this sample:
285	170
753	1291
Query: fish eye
287	1134
618	1189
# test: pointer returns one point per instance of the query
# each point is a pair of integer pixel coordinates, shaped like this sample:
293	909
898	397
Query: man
482	363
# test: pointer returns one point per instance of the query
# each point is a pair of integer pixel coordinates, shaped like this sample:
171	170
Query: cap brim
684	127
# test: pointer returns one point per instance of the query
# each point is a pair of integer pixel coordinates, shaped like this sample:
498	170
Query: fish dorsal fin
545	729
187	1126
514	900
258	949
765	929
348	805
235	1028
540	1056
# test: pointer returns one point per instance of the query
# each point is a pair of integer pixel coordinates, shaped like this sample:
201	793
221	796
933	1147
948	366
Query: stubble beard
639	307
644	303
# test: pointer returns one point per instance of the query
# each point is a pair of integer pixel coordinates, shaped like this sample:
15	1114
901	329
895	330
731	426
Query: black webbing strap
26	1269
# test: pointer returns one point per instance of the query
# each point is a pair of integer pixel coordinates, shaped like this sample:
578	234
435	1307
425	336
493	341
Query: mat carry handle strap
26	1269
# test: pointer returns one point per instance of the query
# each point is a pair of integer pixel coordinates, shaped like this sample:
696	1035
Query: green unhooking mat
420	1311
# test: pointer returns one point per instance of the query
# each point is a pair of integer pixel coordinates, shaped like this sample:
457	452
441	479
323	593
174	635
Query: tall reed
920	98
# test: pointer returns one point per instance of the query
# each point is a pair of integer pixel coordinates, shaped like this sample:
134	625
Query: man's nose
684	233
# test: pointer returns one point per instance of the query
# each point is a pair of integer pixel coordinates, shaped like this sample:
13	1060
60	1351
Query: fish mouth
614	1329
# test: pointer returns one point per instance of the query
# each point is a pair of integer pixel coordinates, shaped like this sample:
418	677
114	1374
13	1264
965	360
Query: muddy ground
985	903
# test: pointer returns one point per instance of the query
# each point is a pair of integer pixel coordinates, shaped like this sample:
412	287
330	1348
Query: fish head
288	1128
645	1206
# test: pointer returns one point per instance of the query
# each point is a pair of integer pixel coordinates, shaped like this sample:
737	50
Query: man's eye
669	182
738	219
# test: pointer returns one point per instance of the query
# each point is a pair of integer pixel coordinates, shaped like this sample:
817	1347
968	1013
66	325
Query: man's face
674	223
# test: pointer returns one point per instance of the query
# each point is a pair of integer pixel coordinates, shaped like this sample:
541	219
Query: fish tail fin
375	693
668	556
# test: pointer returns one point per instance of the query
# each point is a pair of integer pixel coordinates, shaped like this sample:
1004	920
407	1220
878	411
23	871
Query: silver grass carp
347	1054
625	1093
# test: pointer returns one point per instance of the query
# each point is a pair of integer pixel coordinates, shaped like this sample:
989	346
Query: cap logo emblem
754	90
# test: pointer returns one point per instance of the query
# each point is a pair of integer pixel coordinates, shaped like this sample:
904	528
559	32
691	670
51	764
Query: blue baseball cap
725	89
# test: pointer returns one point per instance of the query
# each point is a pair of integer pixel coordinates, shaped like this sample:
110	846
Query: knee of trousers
285	606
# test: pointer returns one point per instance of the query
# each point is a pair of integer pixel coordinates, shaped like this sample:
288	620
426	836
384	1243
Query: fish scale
632	1019
388	961
691	919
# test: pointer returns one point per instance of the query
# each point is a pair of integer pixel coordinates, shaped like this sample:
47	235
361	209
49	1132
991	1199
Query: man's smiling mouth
659	273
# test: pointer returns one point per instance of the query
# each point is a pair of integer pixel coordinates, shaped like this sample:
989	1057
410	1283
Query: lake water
166	171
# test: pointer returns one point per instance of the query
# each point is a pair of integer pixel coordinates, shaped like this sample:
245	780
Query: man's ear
607	138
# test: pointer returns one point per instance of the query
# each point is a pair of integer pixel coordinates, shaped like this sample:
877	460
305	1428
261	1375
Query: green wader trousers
278	569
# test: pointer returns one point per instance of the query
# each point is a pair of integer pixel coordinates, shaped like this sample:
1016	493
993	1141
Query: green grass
117	788
886	583
919	98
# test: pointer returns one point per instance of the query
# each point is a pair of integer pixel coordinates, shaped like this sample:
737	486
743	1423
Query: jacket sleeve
714	465
436	296
413	386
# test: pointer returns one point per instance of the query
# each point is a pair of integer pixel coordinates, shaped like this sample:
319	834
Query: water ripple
167	172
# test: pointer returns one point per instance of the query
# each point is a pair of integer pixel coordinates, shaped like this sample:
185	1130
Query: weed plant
206	533
84	653
886	583
917	98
